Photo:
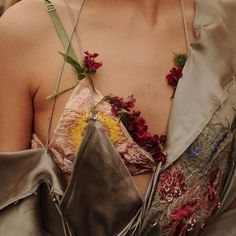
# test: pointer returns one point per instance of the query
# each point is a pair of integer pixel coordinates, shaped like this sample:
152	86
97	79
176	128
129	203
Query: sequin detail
172	185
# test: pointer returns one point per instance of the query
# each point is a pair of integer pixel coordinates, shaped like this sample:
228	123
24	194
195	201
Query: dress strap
60	28
66	42
81	4
185	24
72	17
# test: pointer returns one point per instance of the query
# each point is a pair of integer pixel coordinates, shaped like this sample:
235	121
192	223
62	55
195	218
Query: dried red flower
174	76
137	127
160	158
89	62
163	139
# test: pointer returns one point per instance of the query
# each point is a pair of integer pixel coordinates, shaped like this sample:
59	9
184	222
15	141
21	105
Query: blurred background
4	4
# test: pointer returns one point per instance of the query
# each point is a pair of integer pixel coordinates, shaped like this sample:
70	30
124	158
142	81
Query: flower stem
91	82
63	91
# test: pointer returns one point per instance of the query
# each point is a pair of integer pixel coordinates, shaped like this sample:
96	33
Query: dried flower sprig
88	67
174	76
137	126
177	71
89	63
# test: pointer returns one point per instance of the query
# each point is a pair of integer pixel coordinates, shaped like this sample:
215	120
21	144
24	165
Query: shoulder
25	29
27	25
20	29
23	21
217	8
217	16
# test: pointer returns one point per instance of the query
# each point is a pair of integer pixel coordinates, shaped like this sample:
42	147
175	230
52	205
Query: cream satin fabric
208	85
27	177
210	67
34	199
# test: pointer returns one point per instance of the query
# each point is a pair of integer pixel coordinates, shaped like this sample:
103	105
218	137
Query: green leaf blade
72	62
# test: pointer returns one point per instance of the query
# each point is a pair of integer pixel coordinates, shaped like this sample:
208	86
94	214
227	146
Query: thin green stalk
63	91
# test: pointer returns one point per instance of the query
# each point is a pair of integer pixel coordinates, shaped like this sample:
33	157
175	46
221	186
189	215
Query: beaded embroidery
188	194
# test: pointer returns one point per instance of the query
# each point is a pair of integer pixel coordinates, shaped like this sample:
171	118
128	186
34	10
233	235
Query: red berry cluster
89	62
137	127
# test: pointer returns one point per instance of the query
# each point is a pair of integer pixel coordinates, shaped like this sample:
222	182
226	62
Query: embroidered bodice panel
72	125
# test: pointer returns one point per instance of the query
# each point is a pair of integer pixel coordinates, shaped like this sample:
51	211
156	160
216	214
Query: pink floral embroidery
211	189
181	220
183	212
172	185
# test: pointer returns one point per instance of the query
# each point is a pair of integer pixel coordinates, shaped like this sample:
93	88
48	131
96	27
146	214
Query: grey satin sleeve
224	224
225	221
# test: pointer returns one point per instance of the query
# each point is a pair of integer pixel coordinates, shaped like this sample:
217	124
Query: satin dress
197	184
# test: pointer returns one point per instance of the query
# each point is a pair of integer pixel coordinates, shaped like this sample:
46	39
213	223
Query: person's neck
149	9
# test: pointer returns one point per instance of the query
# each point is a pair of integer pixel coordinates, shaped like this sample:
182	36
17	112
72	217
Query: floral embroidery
183	212
172	185
211	189
194	151
183	220
215	135
200	174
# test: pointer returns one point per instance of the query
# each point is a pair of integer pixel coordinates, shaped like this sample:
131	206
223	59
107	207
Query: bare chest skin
136	56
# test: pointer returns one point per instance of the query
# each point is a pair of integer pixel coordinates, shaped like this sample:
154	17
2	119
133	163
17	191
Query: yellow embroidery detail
110	125
77	132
